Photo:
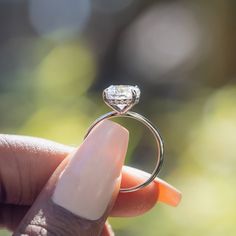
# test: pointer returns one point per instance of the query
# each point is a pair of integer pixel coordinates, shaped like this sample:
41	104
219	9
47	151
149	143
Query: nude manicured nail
86	186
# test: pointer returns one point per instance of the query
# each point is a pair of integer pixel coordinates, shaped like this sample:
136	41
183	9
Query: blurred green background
56	56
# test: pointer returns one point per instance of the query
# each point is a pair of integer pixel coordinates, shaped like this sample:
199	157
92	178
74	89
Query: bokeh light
164	38
59	19
111	6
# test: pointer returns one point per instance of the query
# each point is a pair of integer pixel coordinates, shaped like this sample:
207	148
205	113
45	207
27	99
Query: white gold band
155	133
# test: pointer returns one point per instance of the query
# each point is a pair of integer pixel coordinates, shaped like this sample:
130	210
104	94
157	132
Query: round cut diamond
121	97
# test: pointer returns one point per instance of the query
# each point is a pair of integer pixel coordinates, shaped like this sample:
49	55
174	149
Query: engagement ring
121	98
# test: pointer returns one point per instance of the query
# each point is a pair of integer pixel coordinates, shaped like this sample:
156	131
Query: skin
26	164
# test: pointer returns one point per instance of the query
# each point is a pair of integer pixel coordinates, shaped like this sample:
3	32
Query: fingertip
141	201
134	203
167	193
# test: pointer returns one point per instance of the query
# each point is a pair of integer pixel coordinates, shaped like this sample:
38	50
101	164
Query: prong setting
121	98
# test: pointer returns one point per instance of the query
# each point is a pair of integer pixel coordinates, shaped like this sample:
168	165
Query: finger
41	157
107	230
25	166
167	193
80	194
126	205
139	202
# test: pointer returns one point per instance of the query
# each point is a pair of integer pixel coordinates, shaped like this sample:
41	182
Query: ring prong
121	98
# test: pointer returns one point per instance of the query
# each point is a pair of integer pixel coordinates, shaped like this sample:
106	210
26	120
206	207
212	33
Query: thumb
80	194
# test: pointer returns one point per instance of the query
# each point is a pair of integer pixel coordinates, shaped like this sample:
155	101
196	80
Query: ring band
121	98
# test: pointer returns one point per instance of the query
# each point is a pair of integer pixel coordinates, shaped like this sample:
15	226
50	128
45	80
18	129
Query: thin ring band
155	133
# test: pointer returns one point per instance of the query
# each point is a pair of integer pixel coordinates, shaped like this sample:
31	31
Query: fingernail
167	193
86	186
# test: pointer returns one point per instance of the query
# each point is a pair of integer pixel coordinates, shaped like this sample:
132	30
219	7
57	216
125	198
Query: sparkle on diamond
121	96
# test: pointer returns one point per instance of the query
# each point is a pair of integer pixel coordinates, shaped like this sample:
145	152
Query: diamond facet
121	97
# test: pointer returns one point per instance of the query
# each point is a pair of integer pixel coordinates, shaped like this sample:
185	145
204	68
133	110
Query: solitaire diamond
121	97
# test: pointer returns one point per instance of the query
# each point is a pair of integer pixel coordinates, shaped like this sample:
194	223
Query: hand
82	188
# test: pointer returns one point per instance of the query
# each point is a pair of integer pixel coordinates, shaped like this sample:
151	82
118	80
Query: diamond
121	97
